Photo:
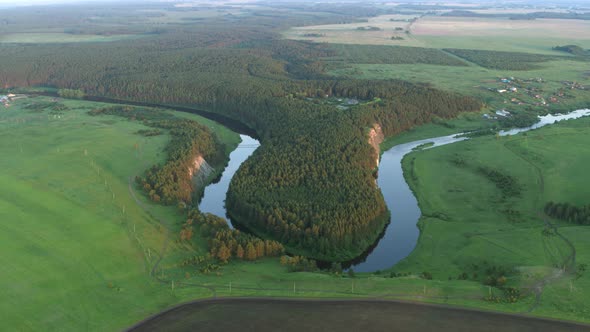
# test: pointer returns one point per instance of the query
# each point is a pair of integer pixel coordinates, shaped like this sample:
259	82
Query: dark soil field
339	315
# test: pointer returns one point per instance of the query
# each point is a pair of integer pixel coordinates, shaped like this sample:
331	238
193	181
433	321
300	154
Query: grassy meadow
77	247
469	223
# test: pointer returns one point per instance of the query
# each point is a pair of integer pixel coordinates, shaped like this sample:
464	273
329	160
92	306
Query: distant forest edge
379	54
503	60
311	185
526	16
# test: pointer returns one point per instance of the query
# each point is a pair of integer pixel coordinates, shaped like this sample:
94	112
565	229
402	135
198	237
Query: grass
163	16
77	248
350	33
549	164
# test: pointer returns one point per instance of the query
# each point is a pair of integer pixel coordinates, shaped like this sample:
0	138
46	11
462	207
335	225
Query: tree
336	268
70	93
259	249
240	252
351	273
223	253
250	252
284	260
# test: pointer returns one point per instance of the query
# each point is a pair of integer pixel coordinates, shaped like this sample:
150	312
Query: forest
311	185
502	60
225	243
381	54
525	16
568	212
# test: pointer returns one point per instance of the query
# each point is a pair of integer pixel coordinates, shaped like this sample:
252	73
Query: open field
44	38
509	11
486	27
352	34
334	315
77	247
469	222
162	16
500	34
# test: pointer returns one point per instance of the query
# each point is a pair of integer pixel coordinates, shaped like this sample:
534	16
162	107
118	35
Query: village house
503	113
5	100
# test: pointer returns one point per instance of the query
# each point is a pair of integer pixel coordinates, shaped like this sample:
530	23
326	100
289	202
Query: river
213	200
401	235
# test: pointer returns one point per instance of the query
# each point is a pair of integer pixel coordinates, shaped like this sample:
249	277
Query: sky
42	2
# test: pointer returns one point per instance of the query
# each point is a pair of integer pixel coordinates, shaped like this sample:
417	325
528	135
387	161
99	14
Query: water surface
214	196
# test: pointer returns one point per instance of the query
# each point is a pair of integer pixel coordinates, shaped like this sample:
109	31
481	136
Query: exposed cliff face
199	170
376	137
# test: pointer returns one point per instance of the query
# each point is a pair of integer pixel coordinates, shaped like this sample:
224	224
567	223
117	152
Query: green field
77	247
468	220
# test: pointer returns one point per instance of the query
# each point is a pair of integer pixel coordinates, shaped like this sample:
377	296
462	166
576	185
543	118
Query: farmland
376	31
363	315
500	34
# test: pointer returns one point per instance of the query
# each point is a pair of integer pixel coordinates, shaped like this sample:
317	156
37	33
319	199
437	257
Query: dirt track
265	314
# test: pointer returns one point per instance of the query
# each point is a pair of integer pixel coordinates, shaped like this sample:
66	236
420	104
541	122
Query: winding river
213	200
401	235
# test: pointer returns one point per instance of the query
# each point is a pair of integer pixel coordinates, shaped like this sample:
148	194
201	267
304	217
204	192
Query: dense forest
225	243
569	212
524	16
502	60
379	54
311	185
573	49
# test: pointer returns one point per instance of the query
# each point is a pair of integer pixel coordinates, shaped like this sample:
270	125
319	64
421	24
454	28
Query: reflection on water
547	120
214	197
